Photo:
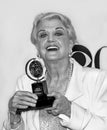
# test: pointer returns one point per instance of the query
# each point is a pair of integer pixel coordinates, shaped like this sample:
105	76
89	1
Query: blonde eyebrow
41	31
60	28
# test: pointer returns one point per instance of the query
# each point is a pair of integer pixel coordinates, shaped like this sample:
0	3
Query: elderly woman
80	93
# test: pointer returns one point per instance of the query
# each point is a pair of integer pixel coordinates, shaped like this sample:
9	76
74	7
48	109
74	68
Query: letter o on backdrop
82	55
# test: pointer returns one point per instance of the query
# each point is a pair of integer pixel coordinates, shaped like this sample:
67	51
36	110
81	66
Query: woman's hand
22	99
61	105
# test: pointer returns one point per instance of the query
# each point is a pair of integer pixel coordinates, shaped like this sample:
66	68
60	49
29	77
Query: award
35	70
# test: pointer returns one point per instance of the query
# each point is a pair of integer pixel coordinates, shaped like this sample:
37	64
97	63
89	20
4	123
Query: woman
80	93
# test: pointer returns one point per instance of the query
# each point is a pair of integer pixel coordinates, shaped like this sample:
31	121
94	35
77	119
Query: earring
70	53
38	55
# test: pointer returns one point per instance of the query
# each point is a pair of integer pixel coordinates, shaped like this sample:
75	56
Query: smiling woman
80	93
52	36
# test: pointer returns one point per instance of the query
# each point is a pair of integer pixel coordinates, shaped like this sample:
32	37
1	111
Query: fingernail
34	105
35	101
35	96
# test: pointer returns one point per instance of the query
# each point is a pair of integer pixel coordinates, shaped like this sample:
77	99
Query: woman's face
53	40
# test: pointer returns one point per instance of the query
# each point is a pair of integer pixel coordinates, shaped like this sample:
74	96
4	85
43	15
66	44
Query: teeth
52	48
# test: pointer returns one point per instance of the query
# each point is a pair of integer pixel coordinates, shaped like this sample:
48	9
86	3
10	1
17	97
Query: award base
42	103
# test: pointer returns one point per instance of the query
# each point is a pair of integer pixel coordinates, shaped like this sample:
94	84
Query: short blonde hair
53	15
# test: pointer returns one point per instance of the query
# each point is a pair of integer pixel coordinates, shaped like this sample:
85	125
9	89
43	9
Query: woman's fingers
26	93
27	103
21	106
61	105
23	99
54	109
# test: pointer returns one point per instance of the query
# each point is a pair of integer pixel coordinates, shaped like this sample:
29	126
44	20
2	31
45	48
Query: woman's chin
51	56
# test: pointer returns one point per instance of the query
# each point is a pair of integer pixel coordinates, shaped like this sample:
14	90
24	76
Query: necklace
70	71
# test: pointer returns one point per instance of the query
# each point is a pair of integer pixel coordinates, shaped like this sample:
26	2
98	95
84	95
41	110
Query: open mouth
52	48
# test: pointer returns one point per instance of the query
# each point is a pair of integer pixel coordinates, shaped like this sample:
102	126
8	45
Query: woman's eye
43	35
58	33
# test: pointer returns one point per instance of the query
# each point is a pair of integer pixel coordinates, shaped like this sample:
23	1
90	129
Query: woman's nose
50	38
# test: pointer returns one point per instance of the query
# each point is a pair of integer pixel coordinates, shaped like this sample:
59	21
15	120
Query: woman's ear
71	45
36	46
37	49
